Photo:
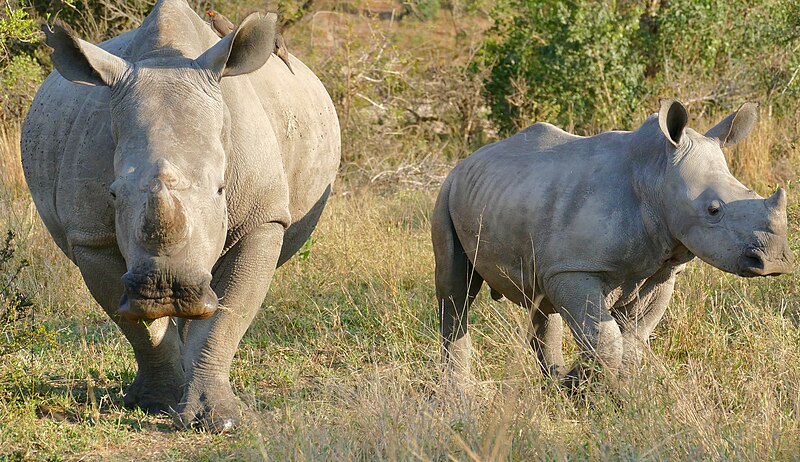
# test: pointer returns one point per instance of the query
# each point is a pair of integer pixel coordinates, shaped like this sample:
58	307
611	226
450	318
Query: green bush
723	53
19	80
15	25
596	65
572	63
18	327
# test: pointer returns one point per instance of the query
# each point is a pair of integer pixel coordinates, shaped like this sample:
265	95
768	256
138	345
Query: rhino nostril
751	252
752	262
751	259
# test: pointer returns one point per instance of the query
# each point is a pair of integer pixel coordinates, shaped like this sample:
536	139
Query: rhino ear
81	62
672	118
736	126
244	50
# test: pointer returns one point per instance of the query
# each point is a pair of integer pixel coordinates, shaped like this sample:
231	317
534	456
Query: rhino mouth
756	262
148	297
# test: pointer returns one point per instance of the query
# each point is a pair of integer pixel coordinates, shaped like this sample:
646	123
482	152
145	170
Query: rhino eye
221	190
715	209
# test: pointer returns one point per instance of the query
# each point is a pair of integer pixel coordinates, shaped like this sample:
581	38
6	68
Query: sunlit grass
342	364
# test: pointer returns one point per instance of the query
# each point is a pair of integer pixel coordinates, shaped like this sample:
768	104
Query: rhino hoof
211	422
209	406
152	408
149	401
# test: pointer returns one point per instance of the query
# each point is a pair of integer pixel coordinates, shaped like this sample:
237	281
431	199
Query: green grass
342	364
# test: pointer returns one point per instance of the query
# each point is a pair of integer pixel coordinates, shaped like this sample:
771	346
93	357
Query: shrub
15	25
18	326
589	66
19	80
575	64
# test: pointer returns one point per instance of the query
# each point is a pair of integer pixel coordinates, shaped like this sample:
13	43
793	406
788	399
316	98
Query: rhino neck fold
650	167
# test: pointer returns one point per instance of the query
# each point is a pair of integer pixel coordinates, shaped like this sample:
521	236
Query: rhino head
171	133
709	211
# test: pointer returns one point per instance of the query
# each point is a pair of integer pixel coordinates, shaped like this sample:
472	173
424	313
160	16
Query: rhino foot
153	395
210	405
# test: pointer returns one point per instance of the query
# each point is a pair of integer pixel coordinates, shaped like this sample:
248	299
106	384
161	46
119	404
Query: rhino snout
756	261
149	297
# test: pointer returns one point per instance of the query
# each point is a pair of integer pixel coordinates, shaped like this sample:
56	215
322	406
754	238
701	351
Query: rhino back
526	208
306	129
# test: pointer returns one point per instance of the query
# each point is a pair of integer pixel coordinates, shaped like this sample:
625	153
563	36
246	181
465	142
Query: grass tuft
342	364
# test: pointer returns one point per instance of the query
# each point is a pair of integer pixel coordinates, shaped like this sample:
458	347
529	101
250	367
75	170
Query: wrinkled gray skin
177	171
593	230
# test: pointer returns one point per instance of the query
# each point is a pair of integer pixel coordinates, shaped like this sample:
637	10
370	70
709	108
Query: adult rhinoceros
177	177
594	229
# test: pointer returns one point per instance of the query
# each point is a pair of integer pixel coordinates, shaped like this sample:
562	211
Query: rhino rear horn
736	126
672	118
81	62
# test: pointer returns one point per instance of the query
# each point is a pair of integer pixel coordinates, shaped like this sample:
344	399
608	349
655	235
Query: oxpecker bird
282	51
223	26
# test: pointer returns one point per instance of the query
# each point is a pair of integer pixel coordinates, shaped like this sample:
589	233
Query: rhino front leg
545	335
638	320
580	299
157	386
241	281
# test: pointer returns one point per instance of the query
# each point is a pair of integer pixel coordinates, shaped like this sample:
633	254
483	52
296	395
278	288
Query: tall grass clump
12	179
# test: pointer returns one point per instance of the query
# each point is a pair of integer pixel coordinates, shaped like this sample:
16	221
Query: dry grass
770	155
342	364
12	178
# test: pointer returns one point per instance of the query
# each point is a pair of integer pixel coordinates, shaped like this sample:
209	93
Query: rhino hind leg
457	285
156	346
545	334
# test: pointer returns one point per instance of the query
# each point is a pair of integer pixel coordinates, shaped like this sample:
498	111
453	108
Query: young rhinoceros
178	171
594	229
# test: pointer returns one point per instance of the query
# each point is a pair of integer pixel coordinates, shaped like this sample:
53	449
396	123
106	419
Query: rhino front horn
164	222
